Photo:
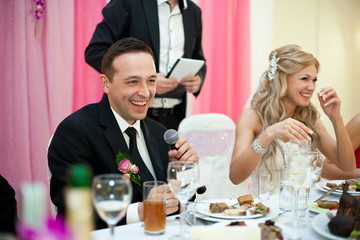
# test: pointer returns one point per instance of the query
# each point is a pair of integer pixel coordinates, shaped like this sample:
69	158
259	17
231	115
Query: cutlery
327	193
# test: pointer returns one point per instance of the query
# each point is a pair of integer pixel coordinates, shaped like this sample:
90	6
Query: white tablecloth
136	230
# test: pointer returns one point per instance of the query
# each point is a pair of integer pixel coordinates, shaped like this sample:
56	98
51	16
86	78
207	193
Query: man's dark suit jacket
139	19
92	136
8	212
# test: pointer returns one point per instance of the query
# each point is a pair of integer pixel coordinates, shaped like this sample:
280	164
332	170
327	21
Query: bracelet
257	148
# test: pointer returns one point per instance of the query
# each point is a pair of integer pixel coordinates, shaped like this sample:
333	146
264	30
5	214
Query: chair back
212	135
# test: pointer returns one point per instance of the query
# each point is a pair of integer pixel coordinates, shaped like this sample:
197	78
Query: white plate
322	187
204	213
286	231
320	225
316	210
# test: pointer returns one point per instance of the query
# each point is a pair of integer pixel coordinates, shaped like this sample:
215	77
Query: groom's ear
104	81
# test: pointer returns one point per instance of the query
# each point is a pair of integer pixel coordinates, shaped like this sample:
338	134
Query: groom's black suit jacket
92	136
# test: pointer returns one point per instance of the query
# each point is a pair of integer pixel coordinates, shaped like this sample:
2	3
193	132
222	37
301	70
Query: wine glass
297	165
316	161
111	195
183	180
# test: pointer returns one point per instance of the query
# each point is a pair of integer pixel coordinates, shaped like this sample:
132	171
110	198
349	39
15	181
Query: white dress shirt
172	36
132	214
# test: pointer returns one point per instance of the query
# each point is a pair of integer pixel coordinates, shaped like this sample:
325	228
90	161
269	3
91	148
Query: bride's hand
289	129
329	102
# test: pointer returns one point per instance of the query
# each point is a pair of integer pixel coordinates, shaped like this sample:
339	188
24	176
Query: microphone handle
201	190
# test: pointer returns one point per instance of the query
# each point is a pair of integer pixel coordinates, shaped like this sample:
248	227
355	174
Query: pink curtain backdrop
226	43
87	87
39	80
45	77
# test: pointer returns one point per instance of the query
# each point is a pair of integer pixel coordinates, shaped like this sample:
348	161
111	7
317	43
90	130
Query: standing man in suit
173	29
94	134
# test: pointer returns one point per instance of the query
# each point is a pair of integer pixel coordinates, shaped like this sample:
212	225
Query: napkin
225	233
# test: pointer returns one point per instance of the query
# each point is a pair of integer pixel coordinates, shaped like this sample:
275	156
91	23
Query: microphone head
171	136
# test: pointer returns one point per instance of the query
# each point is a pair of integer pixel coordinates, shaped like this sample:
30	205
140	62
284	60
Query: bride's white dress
273	169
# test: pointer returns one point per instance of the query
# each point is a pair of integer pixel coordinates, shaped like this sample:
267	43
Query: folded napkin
225	233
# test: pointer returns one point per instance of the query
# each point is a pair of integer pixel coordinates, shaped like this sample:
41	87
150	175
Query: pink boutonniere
126	166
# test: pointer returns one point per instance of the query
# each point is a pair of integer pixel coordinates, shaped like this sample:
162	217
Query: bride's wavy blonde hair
268	100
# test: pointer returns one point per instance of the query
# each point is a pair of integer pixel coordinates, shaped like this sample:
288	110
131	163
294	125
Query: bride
281	110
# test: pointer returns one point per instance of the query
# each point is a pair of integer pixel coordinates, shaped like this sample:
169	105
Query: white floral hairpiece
273	66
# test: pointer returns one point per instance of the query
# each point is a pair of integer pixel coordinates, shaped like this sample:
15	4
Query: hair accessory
257	148
273	66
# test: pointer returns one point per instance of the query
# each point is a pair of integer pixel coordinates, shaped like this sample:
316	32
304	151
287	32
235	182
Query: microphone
171	136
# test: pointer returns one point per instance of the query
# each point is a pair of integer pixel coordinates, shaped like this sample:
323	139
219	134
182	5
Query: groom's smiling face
133	85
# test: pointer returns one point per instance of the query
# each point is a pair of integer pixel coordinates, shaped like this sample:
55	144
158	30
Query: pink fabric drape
38	80
226	43
87	88
45	78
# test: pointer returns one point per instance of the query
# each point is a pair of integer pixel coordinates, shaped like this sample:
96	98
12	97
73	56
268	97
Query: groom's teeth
139	103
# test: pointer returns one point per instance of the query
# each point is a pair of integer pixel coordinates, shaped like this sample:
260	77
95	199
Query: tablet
185	67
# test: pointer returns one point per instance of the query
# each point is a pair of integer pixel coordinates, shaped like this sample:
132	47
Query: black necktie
135	155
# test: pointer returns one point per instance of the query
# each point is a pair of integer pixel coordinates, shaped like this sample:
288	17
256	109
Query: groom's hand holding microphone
181	150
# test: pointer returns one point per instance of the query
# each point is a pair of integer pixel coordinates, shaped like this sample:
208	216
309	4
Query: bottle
79	213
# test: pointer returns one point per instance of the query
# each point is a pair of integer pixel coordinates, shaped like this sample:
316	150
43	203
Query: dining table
281	219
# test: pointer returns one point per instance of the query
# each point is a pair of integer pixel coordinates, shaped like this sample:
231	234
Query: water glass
264	186
154	207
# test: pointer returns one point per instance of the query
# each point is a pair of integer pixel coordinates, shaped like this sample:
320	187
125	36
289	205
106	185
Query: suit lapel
115	138
154	153
188	31
150	10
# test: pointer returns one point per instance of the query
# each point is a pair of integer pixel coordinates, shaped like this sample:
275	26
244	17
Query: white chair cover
212	135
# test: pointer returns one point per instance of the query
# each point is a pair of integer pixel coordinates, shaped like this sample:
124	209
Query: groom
94	134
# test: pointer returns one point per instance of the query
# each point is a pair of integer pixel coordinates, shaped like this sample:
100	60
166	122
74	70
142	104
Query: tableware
297	163
202	208
183	177
154	196
322	187
285	230
331	190
313	208
320	225
264	187
111	196
286	191
316	161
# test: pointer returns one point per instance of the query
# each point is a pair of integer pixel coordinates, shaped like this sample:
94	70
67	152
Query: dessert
269	231
245	199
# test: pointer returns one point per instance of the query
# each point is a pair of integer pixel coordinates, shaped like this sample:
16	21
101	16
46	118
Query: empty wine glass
316	161
183	180
111	196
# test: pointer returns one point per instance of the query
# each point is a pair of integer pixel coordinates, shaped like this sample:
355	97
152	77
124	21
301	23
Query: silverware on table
327	193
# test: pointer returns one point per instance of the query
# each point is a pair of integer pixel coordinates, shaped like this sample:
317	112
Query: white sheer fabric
212	135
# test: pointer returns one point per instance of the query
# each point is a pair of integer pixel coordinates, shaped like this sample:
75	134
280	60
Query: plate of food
327	185
268	227
320	225
243	207
323	206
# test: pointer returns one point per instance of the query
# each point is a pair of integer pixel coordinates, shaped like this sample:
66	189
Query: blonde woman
281	110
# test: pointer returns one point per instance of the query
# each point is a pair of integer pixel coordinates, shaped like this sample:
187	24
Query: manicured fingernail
311	131
309	138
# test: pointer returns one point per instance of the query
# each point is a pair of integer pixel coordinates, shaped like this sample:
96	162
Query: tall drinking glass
111	196
183	180
297	165
316	161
